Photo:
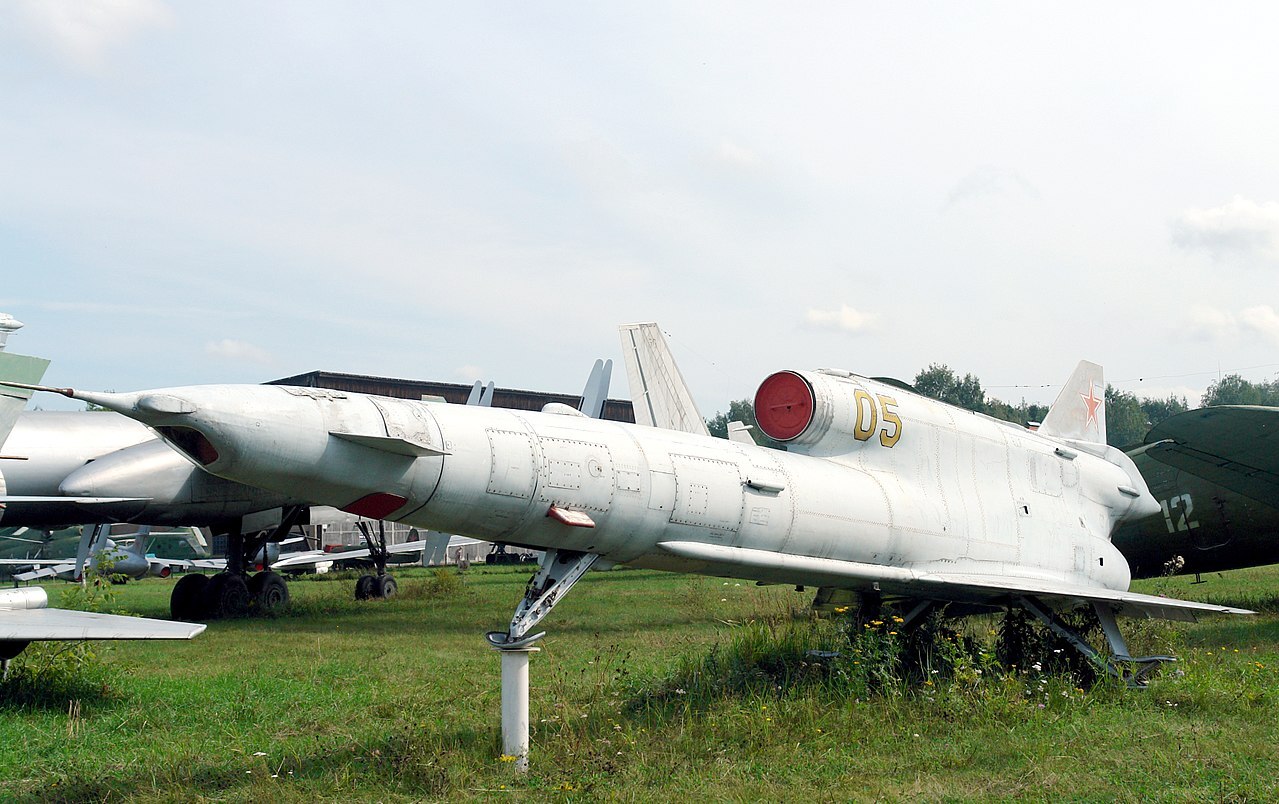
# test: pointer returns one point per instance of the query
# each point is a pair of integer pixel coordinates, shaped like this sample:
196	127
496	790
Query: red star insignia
1093	402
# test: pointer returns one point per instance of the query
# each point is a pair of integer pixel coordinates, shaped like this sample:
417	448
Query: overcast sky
239	191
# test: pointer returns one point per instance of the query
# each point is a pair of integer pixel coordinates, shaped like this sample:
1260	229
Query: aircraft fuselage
947	491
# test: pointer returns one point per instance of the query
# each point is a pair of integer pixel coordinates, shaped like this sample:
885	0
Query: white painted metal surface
515	719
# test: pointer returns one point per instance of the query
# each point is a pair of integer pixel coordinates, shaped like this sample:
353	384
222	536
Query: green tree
741	410
1157	410
1126	422
939	382
1022	413
1235	390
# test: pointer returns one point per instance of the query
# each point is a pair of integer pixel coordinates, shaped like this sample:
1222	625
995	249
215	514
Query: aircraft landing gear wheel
364	587
269	593
384	587
186	603
227	596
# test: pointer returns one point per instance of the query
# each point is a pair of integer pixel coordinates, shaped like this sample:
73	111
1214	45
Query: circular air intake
784	405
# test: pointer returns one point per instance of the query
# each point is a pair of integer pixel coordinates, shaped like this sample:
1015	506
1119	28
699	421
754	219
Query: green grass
399	701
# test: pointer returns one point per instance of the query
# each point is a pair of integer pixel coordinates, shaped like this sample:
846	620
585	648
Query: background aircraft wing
29	625
1234	446
309	558
419	545
312	557
44	572
31	562
658	392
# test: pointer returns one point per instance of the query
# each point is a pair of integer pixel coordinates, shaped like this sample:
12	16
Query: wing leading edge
24	618
965	587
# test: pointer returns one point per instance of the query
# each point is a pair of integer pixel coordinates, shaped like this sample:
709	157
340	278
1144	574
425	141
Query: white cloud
845	318
1210	323
238	351
469	373
734	154
990	181
83	31
1261	320
1240	227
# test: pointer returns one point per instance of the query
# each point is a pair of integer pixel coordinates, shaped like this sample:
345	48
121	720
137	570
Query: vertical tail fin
436	548
92	539
658	392
596	391
1079	413
141	541
481	395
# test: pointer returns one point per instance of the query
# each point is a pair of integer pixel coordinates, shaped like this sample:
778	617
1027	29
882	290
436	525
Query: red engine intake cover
784	405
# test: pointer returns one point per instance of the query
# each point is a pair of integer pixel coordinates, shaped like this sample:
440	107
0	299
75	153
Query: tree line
1128	417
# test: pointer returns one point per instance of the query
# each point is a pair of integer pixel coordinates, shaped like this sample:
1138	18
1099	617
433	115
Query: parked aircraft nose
150	469
171	413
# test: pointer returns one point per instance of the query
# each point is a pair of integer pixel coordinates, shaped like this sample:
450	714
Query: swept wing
943	586
1234	446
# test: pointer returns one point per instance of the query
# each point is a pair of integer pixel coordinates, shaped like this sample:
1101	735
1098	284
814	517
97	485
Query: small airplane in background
883	492
130	560
425	552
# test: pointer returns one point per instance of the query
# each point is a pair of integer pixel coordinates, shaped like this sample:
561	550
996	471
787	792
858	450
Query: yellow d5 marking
868	417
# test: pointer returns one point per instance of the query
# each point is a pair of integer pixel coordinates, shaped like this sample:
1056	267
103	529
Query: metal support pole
515	719
515	705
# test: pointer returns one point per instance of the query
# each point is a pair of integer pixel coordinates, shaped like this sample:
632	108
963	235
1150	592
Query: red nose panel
378	505
783	405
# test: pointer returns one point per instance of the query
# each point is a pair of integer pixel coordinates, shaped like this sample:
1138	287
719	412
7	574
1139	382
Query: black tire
255	585
364	587
384	587
186	602
270	593
227	596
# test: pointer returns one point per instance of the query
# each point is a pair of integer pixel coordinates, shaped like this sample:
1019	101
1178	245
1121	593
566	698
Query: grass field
399	701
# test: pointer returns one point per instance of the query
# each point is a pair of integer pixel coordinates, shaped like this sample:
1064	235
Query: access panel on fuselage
708	494
513	463
577	474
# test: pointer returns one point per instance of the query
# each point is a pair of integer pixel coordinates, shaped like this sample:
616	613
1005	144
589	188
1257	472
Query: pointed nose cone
145	406
120	403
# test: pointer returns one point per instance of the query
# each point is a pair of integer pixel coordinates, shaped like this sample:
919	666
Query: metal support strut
556	574
92	539
1132	669
377	548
